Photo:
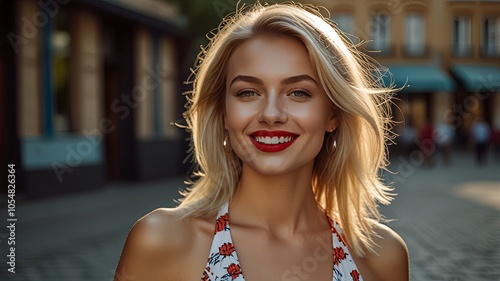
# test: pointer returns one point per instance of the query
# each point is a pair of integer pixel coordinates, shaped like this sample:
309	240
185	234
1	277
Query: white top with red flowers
223	264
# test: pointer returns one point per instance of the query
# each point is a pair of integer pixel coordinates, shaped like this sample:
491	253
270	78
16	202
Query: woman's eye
246	94
300	94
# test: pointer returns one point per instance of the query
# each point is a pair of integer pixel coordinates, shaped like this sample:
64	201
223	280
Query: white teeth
273	140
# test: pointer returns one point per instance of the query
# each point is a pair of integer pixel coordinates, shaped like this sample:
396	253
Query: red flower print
205	275
355	275
226	249
234	270
338	255
221	223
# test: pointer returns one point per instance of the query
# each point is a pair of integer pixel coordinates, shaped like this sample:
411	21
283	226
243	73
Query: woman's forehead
267	56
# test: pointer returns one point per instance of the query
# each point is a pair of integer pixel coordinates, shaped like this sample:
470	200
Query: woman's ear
333	123
224	119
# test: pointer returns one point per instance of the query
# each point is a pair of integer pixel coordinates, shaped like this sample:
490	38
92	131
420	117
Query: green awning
419	79
478	78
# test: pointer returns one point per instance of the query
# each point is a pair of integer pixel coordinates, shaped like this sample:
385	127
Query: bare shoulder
391	263
156	247
161	229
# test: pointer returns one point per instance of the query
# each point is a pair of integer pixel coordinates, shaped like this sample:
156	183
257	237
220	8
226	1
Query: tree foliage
205	15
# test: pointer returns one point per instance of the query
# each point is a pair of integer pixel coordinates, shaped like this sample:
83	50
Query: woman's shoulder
391	262
161	228
168	229
163	241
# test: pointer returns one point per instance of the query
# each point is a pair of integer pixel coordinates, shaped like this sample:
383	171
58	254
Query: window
61	54
381	32
345	23
491	37
415	34
461	40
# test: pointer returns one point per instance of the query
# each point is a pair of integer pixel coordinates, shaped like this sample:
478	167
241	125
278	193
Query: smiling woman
288	131
275	94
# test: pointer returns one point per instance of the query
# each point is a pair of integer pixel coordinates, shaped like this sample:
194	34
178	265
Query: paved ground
449	217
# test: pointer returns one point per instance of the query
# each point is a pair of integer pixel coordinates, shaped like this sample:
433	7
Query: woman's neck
282	204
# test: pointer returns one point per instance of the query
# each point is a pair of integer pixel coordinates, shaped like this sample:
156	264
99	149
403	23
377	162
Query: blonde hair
346	183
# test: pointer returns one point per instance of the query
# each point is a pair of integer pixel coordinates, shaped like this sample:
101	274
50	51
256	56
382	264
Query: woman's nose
272	110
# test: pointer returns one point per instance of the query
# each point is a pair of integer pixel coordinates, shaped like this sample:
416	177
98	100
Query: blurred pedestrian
426	143
444	136
408	137
480	133
495	140
289	136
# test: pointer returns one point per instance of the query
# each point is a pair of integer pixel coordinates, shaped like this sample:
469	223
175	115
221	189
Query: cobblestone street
450	220
448	216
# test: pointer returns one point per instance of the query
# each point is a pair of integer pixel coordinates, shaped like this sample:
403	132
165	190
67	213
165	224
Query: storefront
95	91
426	94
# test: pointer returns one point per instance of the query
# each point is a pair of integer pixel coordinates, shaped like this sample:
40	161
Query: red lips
272	141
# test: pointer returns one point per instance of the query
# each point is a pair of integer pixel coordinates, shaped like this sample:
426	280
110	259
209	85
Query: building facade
445	55
89	88
90	91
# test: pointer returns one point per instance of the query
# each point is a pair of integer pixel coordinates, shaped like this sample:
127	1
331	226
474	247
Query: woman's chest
263	258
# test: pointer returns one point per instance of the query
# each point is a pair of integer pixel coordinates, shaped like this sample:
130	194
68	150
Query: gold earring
226	144
329	143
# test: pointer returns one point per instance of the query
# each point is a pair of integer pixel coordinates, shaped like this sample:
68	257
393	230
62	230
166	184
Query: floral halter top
223	264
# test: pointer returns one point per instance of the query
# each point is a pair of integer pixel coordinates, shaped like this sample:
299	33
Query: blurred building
446	53
91	88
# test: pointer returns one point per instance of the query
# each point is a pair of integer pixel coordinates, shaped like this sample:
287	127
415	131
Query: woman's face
276	111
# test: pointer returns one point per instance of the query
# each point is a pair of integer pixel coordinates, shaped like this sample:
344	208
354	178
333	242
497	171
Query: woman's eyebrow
245	78
286	81
298	78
